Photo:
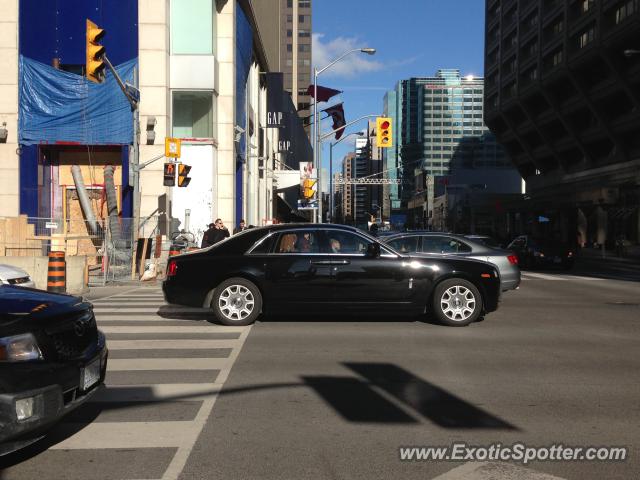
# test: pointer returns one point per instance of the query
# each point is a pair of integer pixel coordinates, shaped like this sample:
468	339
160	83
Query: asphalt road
335	398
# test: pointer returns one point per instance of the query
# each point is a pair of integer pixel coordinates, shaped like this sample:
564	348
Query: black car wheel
457	302
237	301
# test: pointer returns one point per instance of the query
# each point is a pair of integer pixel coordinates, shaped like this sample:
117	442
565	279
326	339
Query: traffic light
384	132
95	52
307	188
169	175
183	171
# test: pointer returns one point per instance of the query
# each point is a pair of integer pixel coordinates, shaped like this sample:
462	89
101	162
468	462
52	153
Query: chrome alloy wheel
458	303
236	302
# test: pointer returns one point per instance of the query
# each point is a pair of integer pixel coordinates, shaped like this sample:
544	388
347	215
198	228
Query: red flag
324	93
337	114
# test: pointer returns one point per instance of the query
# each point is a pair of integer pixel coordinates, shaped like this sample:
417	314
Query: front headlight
19	348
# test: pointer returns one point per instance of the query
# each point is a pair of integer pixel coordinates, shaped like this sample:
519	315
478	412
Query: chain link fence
109	246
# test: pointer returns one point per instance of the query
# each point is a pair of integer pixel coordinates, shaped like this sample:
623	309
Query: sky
413	38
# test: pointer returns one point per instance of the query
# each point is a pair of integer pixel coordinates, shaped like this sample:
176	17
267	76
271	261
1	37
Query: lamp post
316	126
331	145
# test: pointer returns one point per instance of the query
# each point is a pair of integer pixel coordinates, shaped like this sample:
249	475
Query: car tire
457	302
237	301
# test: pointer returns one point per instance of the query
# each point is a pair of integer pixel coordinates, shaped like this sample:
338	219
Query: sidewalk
595	255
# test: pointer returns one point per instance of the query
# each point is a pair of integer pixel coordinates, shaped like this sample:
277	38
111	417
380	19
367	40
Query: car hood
9	271
18	303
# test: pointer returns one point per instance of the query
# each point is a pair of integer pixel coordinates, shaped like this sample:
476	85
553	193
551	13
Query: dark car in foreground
311	268
432	244
540	252
52	359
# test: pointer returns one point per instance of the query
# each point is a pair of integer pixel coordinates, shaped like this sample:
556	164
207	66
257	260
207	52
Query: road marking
542	276
180	329
131	435
177	344
135	364
144	306
156	393
493	471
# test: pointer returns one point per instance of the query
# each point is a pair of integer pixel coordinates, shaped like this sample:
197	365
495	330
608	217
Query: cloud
351	66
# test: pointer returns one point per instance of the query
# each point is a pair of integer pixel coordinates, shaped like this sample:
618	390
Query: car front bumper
55	398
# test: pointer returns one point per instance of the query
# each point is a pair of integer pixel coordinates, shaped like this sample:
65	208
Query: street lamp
331	145
316	126
631	52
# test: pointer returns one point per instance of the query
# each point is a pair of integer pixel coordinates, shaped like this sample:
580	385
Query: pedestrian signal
169	174
183	172
384	132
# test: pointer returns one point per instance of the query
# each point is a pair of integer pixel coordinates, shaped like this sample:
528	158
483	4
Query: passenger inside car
335	246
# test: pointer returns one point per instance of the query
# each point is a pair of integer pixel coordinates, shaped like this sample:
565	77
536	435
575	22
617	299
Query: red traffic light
385	124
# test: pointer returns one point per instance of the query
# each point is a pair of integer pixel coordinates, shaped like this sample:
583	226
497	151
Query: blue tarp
58	106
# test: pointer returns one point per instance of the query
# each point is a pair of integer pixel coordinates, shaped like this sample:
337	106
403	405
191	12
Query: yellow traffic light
95	65
183	172
384	132
307	188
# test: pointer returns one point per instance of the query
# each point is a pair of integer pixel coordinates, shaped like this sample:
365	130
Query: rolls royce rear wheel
457	302
237	301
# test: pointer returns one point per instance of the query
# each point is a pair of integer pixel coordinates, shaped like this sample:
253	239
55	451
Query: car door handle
321	262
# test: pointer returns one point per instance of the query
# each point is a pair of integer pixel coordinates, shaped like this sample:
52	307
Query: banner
275	103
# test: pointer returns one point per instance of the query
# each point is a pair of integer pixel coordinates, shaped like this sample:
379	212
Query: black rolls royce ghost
326	268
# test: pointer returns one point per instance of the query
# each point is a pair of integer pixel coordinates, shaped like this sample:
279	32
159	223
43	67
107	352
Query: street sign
172	147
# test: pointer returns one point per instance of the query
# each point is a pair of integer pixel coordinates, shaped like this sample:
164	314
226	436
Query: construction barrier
57	273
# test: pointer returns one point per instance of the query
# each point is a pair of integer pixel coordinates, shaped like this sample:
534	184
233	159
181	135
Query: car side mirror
373	250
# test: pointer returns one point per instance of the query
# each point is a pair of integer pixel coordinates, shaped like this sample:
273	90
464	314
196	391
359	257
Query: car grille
71	338
18	281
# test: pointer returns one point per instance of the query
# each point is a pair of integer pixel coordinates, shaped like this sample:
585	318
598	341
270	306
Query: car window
518	243
347	243
435	244
405	245
263	247
304	241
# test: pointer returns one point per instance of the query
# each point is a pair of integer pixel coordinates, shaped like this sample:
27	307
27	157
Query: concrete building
564	100
199	66
286	28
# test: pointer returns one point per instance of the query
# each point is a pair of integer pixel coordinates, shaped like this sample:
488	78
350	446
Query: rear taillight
172	269
513	260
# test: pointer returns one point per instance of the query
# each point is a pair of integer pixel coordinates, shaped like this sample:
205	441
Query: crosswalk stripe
103	319
156	393
125	435
134	364
177	344
126	308
185	329
130	303
543	276
564	278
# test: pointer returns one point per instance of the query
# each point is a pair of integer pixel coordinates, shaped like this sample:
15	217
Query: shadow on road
382	393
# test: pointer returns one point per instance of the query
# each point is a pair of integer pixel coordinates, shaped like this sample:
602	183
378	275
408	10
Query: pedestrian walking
241	226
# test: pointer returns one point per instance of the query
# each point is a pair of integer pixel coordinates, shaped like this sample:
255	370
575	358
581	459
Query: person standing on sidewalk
241	226
220	232
207	235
